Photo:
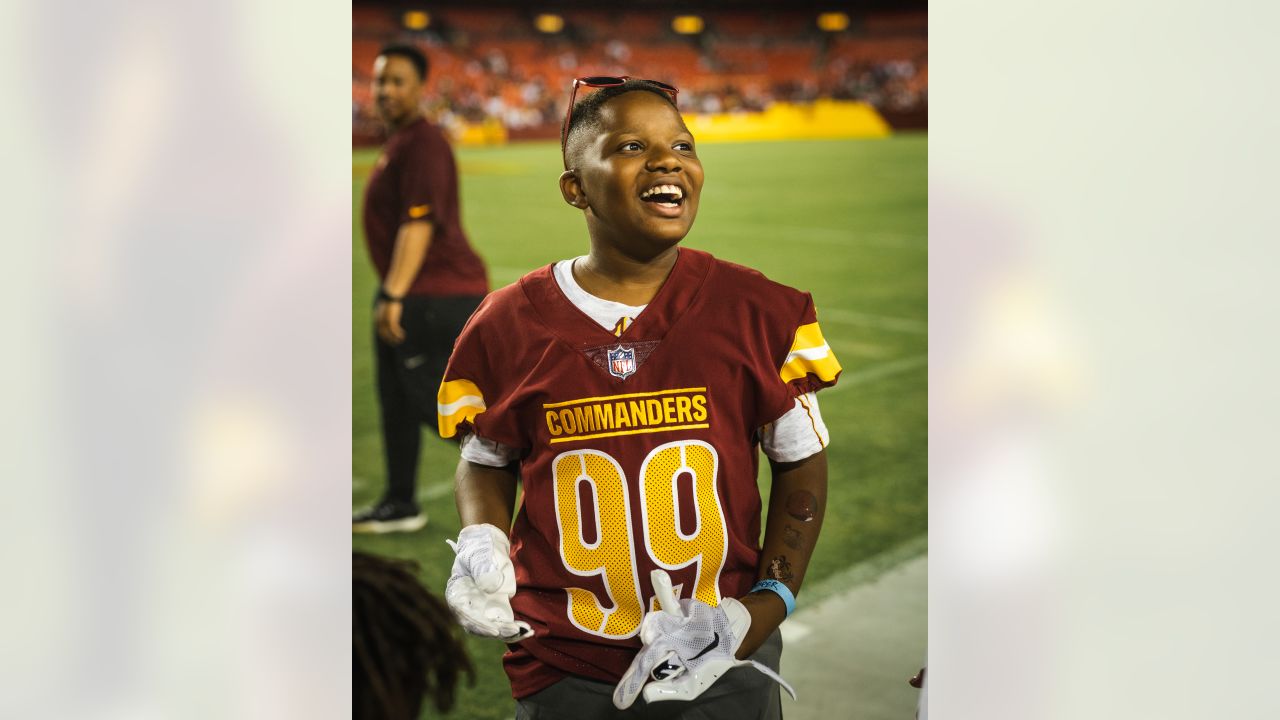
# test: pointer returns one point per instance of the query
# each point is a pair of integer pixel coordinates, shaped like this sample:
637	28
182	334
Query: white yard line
883	322
873	635
436	491
877	372
430	492
844	237
794	630
846	349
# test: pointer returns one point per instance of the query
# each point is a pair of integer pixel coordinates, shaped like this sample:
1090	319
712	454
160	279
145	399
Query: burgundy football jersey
641	449
414	179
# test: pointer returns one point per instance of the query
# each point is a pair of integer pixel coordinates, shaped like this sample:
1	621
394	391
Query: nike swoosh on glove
482	584
688	645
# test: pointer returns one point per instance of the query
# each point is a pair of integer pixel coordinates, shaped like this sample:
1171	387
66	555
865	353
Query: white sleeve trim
798	434
487	452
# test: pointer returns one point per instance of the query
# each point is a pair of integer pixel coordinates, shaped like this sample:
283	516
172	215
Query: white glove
482	584
687	647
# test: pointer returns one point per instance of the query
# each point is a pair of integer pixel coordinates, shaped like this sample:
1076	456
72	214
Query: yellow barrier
491	132
781	121
786	121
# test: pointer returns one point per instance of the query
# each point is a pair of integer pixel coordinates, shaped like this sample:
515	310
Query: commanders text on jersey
629	414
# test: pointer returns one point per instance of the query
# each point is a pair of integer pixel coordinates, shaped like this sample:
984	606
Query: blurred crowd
517	100
502	71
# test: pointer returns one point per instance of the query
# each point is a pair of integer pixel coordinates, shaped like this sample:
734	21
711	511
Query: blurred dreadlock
404	642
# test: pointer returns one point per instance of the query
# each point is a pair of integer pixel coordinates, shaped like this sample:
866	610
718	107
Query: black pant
409	376
743	693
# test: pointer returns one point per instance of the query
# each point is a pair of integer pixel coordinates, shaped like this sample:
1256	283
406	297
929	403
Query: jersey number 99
610	553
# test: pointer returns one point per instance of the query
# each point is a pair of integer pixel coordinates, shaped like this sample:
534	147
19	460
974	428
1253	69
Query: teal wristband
782	591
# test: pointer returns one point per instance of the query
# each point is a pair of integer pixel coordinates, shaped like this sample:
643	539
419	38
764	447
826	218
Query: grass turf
845	220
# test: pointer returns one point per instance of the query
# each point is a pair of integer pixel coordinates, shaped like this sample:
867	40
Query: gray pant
743	693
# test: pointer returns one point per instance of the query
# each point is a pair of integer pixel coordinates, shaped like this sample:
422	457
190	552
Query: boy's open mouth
667	196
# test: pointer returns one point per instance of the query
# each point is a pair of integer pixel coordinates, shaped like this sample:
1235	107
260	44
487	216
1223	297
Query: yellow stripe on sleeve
458	401
808	336
810	355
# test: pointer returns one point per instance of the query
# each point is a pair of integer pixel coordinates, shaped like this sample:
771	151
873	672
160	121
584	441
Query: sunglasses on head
605	81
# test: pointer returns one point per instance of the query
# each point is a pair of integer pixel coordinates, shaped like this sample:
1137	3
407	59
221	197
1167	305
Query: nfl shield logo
622	362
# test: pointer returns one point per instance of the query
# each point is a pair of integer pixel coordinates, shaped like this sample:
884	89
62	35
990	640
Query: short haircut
410	53
586	112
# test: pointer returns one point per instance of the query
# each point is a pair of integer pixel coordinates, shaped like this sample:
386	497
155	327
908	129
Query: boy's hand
482	584
386	318
688	645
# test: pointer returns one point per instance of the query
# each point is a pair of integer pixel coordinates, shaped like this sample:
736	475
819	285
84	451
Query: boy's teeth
663	190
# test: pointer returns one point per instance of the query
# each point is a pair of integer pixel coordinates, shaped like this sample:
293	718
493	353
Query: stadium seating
491	64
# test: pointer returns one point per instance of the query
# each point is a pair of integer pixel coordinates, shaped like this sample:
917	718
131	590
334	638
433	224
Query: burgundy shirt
416	179
641	448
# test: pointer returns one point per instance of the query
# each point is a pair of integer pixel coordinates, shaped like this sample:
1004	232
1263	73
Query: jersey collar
677	294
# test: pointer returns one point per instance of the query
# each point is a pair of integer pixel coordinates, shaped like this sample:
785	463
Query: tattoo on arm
791	537
802	505
780	569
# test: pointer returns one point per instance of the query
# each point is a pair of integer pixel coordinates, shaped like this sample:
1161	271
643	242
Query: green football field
845	220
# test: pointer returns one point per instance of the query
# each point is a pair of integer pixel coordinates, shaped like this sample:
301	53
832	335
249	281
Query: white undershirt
798	434
606	313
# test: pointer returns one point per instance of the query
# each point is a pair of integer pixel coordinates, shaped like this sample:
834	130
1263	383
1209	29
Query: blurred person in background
404	643
431	278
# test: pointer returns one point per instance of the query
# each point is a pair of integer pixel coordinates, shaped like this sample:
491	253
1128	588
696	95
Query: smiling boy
628	390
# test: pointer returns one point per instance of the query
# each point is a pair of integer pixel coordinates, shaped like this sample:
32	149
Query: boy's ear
571	189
